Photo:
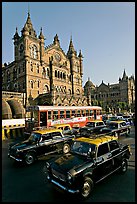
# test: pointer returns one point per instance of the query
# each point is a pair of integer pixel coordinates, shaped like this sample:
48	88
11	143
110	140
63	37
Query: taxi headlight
47	165
69	177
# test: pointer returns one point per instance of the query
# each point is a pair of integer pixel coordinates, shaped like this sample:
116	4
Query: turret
81	63
56	40
28	28
41	37
71	54
16	39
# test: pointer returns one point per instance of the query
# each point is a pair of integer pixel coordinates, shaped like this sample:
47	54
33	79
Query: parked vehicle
88	162
41	142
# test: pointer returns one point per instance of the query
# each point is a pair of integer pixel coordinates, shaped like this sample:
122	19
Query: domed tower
89	89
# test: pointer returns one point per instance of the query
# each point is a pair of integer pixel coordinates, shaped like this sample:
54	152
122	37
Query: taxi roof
47	130
117	121
94	121
61	125
98	140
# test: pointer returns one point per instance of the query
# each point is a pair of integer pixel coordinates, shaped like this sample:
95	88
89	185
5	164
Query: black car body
88	162
91	127
40	142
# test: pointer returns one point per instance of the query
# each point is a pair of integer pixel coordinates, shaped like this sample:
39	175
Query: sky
103	31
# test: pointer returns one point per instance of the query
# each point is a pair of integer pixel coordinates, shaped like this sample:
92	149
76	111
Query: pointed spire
41	36
80	54
56	40
29	27
124	75
16	36
71	49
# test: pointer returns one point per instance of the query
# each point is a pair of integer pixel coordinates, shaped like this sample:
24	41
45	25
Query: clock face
57	56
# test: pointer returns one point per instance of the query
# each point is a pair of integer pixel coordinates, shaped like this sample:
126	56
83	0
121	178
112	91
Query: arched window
33	51
31	84
31	66
45	89
69	91
55	73
37	68
48	72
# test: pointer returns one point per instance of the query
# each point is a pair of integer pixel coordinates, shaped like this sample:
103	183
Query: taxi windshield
34	137
82	148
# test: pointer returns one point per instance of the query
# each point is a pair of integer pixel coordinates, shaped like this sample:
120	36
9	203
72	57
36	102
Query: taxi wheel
29	158
66	148
127	132
124	166
86	188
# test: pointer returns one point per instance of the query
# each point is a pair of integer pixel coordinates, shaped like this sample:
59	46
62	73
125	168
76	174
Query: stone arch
6	110
16	108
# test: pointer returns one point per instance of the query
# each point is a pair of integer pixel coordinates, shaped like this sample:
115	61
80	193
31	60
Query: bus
46	116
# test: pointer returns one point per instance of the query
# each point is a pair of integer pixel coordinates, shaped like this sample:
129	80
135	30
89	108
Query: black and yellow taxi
92	127
41	142
89	161
66	128
117	128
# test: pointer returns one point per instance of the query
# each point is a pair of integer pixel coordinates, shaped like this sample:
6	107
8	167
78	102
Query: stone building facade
113	97
47	75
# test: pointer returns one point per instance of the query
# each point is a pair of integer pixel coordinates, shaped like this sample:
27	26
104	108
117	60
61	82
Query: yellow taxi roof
47	130
94	121
97	141
61	125
117	121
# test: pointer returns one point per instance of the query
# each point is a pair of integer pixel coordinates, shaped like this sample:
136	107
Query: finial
28	10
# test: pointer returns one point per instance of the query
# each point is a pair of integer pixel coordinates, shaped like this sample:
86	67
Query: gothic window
69	91
38	84
64	76
14	73
15	87
55	73
77	67
31	66
78	92
33	51
8	76
37	68
21	49
31	84
48	72
46	89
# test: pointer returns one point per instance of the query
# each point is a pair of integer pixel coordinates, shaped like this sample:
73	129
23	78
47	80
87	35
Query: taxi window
67	128
103	149
46	137
113	145
56	135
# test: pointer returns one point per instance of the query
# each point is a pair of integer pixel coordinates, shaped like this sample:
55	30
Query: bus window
67	114
87	113
91	112
95	115
43	118
62	114
78	113
55	115
73	113
49	114
83	113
